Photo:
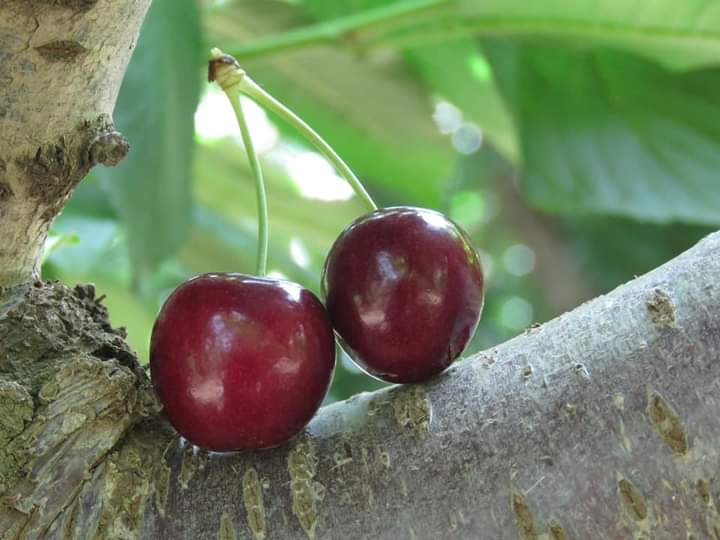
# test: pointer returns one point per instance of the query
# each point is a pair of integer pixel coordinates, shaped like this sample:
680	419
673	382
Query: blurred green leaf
603	132
98	249
458	71
370	109
151	187
91	199
224	189
219	244
613	251
55	241
332	9
678	34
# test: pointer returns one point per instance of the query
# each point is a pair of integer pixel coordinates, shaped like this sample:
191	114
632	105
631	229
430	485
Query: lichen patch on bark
632	500
712	522
64	50
193	460
253	500
660	308
162	486
703	491
557	531
667	423
344	455
227	529
16	410
127	484
524	517
412	408
76	4
306	493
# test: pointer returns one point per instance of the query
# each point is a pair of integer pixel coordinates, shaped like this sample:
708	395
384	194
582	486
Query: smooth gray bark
599	424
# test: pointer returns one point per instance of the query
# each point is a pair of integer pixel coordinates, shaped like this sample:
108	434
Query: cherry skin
404	290
241	362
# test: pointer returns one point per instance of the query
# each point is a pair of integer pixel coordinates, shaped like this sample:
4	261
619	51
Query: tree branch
600	424
61	67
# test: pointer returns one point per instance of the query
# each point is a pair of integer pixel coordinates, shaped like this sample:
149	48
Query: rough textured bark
61	65
70	389
599	424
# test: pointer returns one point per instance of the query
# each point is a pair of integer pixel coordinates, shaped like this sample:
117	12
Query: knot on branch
108	148
56	168
105	144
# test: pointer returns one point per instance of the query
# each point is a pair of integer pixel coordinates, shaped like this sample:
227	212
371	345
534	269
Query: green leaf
678	34
151	187
612	251
333	9
602	132
56	241
370	109
97	250
458	71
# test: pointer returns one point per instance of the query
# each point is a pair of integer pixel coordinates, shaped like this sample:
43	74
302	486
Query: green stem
336	29
263	237
248	86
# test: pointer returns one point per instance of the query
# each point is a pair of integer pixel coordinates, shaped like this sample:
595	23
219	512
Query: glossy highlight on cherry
404	291
241	362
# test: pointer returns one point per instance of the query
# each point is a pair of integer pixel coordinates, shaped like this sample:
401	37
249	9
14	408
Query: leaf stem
229	76
249	87
337	29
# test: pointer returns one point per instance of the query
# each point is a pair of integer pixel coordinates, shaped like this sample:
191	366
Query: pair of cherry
244	362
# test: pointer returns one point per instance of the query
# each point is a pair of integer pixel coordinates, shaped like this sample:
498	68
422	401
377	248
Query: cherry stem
249	87
263	235
228	76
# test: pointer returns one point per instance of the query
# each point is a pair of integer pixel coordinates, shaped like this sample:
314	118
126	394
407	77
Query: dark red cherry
404	290
241	362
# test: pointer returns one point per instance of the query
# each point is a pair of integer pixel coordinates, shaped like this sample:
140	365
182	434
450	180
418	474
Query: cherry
241	362
404	291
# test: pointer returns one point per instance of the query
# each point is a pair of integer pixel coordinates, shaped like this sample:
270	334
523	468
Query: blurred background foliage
578	142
